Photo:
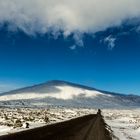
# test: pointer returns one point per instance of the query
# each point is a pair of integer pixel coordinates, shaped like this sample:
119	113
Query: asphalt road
90	127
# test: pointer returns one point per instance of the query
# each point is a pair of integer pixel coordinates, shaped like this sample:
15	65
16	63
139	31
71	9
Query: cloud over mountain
42	16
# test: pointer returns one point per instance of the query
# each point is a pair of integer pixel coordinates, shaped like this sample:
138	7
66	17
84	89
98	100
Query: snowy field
124	123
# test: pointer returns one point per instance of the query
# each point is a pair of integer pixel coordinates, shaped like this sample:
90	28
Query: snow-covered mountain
61	93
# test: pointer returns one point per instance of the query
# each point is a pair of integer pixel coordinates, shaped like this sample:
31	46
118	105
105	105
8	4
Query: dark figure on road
99	111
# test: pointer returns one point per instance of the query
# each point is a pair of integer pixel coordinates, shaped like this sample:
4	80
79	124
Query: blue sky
27	60
92	42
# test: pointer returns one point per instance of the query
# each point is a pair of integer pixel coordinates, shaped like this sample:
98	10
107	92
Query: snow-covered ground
14	119
124	123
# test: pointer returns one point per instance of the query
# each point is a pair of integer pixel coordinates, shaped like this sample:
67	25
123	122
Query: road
89	127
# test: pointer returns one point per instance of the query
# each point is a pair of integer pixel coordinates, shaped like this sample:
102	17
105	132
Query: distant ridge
52	83
67	94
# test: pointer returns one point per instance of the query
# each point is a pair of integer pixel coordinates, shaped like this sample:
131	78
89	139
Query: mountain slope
61	93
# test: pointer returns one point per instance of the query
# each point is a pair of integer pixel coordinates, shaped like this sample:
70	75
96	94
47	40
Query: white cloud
110	41
73	47
79	39
82	16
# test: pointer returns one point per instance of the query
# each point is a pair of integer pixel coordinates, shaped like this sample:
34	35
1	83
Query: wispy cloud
110	41
78	39
42	16
73	47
